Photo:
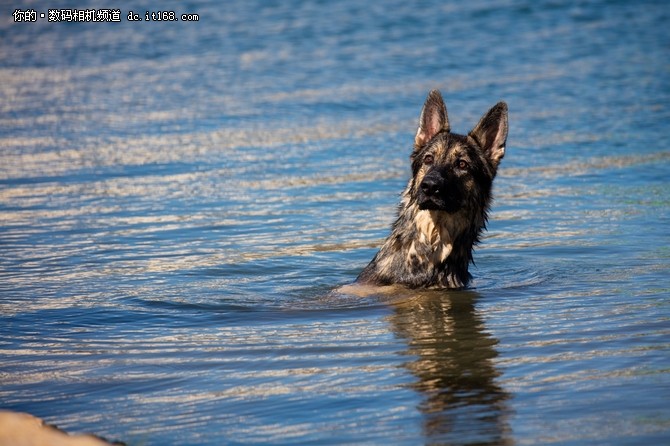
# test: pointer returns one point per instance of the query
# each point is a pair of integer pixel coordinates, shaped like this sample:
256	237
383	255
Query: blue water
179	201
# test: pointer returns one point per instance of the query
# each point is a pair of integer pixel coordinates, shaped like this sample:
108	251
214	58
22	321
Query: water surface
178	202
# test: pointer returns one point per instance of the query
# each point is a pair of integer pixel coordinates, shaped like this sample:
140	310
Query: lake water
178	201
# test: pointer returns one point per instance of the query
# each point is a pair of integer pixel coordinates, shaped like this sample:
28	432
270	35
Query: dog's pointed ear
433	119
491	133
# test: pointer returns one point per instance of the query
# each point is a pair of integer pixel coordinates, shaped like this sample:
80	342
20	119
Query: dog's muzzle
435	193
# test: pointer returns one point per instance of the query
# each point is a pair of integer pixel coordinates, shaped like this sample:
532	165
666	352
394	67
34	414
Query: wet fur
431	241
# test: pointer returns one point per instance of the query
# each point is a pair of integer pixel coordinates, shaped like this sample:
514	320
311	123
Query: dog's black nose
430	185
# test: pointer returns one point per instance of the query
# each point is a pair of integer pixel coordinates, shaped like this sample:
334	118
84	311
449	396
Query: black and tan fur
444	208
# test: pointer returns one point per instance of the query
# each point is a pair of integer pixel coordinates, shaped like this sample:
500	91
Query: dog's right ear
433	119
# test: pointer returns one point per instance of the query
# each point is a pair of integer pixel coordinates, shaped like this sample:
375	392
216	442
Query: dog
444	208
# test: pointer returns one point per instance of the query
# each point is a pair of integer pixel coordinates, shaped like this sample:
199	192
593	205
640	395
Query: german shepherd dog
443	210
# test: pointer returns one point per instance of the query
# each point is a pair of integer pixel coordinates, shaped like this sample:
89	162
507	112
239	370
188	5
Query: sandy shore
22	429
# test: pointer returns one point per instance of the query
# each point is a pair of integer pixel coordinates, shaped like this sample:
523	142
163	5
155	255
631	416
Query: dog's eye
428	159
462	164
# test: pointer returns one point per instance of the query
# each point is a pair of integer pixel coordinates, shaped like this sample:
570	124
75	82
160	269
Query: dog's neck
441	243
437	230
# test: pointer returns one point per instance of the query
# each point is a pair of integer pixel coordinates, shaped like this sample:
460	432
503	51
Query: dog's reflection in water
454	367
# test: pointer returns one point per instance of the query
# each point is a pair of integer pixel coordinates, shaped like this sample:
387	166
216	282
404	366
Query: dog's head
453	172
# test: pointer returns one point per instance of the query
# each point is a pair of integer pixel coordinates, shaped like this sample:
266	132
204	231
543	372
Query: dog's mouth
432	203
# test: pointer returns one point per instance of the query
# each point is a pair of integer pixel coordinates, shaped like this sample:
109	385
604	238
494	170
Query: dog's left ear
491	133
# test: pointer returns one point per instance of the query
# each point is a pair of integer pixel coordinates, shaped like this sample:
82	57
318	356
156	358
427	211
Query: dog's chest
435	235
